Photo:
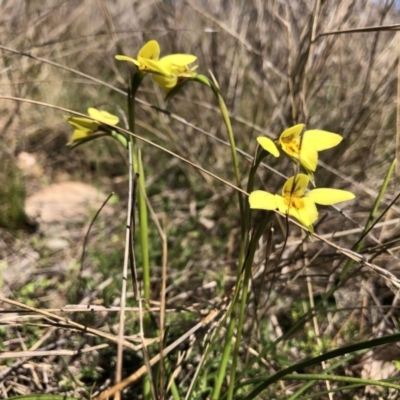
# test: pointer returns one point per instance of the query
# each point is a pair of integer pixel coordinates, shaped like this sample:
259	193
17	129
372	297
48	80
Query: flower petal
150	51
80	134
322	140
179	60
125	58
290	141
83	123
262	200
295	186
166	83
103	116
159	67
327	197
281	204
293	131
308	156
308	214
268	145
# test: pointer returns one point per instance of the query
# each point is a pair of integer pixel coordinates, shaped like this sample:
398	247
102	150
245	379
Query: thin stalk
232	323
235	162
250	186
231	327
144	231
243	304
120	348
142	209
226	353
219	379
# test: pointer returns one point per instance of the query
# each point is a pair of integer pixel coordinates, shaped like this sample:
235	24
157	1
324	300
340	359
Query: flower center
294	202
292	145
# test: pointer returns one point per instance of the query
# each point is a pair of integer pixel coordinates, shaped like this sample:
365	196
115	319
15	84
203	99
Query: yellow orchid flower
150	52
301	146
296	202
148	59
166	70
177	67
84	127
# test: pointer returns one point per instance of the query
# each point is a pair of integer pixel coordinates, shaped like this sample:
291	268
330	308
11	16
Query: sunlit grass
271	77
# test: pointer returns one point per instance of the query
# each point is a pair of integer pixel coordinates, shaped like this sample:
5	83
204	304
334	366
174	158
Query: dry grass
275	68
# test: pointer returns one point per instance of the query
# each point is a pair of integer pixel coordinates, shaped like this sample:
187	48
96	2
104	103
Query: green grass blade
316	360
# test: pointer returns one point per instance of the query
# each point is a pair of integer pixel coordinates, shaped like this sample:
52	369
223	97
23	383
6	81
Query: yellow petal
166	83
125	58
179	60
150	51
292	132
308	156
321	140
327	197
103	116
80	134
295	186
83	123
262	200
290	141
308	214
158	67
281	204
268	145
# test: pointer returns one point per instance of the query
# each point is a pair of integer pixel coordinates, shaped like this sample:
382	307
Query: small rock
57	244
65	203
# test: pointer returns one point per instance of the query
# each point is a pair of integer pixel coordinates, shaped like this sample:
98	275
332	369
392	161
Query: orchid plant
166	71
171	72
296	201
301	146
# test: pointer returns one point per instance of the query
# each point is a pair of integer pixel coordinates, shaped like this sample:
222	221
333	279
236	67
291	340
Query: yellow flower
296	202
149	53
176	67
168	70
84	127
301	146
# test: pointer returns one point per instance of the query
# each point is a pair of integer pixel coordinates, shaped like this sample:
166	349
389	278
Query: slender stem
142	208
243	304
220	376
118	374
144	230
226	352
235	161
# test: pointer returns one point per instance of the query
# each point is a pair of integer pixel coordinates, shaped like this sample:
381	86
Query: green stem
247	275
231	327
245	214
141	195
144	231
220	376
235	161
250	186
142	208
